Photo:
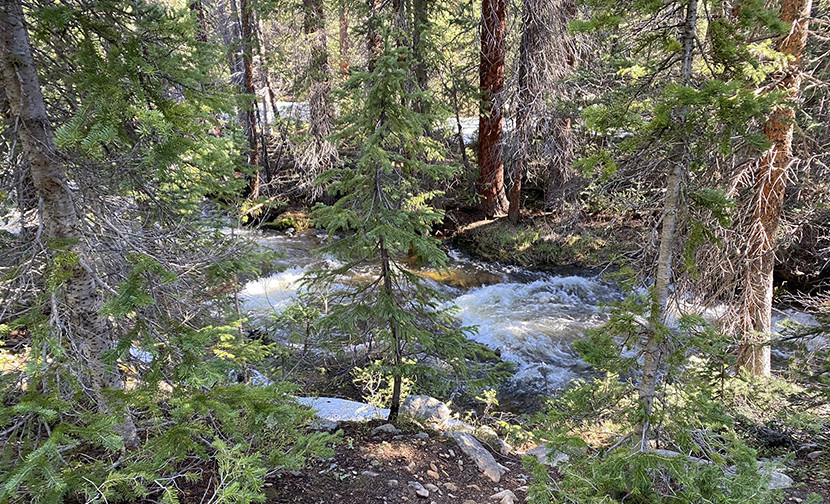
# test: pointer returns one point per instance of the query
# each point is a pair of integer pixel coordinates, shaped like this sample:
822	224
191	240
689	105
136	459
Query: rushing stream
530	317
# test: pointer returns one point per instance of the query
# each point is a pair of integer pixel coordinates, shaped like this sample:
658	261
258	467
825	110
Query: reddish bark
490	185
771	185
246	16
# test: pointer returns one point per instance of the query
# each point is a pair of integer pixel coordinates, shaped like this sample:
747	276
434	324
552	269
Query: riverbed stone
504	497
420	491
426	409
385	429
483	459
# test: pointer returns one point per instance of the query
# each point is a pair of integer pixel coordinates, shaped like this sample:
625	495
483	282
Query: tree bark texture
490	185
88	333
653	351
320	154
420	23
771	185
560	173
249	124
345	62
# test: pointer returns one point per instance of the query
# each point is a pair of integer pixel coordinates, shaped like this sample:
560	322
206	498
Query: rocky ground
384	466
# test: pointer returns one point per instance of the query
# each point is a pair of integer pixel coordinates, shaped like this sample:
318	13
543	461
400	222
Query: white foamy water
272	293
533	324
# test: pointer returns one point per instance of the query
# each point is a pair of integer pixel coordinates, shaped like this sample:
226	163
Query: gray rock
545	456
504	497
421	435
370	474
777	479
483	459
420	491
324	425
426	409
385	429
431	487
814	455
392	483
451	487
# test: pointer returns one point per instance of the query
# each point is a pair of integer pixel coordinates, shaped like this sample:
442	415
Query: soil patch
377	469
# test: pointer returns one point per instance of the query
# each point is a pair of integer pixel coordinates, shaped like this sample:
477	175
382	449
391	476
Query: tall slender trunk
373	40
523	98
397	377
420	12
246	17
653	351
560	173
771	185
79	319
320	154
345	62
491	81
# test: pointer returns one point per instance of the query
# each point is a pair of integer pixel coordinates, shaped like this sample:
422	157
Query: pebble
814	455
450	487
452	453
468	501
410	467
421	435
431	487
370	474
392	483
433	474
385	429
420	491
504	497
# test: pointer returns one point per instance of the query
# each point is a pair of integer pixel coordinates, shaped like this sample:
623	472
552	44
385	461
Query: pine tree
383	212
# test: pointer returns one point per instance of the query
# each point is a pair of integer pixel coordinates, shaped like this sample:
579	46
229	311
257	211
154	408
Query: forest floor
378	468
545	240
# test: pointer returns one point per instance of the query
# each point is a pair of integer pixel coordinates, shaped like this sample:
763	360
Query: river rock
431	487
504	497
426	409
483	459
777	479
420	491
385	429
323	425
546	456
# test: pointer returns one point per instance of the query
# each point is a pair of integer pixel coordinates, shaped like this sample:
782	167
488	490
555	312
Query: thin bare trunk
345	62
79	320
653	351
386	273
320	154
246	16
771	185
491	81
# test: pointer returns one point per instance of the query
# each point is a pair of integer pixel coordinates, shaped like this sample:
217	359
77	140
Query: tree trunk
320	154
79	319
771	185
397	377
523	104
201	24
344	40
491	81
249	116
373	40
420	12
653	351
560	173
